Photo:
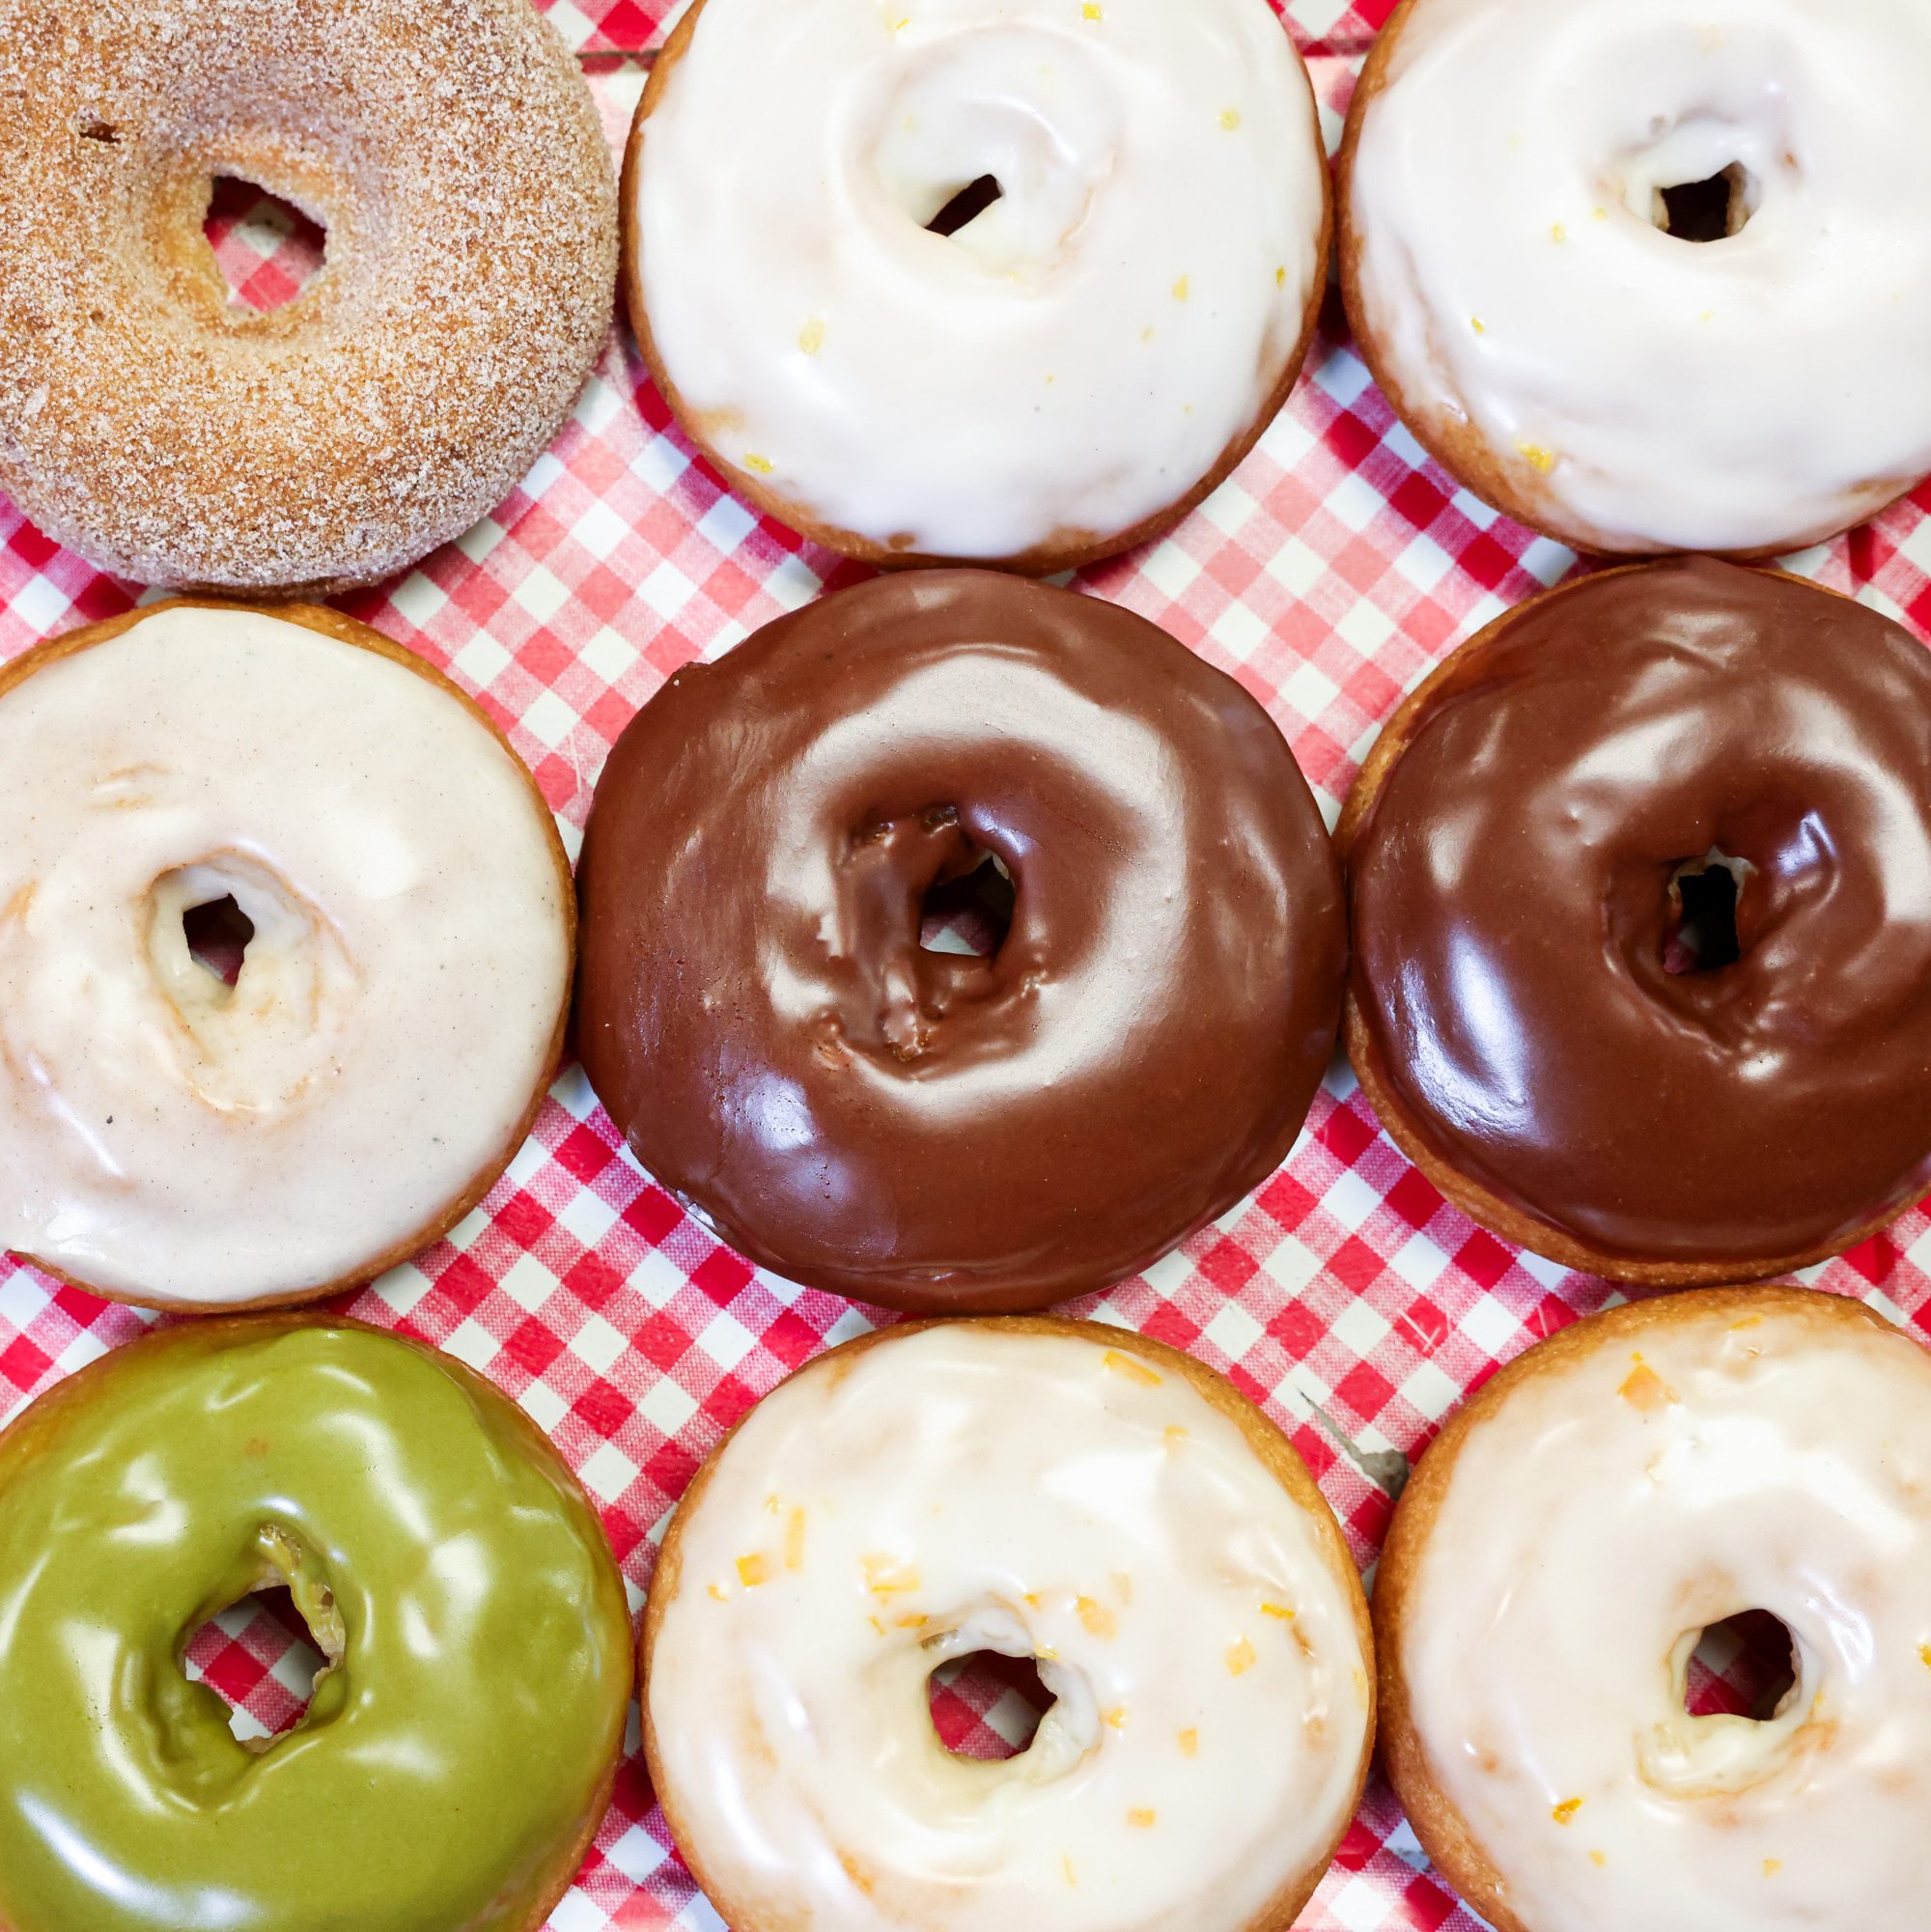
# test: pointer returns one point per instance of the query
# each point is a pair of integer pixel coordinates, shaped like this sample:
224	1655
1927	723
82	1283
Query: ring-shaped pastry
460	1746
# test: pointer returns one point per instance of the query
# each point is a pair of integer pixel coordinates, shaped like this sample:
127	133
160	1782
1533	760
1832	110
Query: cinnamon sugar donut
1037	1489
985	281
320	1096
1641	883
1554	1563
453	155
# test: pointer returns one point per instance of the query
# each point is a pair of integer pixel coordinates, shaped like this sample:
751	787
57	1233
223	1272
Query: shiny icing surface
968	1488
168	1135
933	1130
1512	897
1683	1469
451	1762
1754	392
1073	360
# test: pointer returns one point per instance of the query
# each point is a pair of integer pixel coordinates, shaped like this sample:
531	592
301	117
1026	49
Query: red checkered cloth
1333	569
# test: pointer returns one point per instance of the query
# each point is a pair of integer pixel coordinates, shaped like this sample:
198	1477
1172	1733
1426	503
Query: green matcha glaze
453	1763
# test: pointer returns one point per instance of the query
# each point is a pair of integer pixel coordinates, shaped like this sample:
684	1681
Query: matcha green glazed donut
460	1749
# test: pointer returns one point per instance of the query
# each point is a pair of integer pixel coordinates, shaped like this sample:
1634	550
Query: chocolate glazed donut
932	1131
1546	855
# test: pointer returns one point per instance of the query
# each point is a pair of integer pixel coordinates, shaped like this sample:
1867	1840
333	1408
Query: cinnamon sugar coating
452	152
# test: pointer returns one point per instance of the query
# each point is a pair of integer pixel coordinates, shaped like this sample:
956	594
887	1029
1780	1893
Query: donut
1624	1486
1641	883
1009	282
1035	1489
453	155
1645	277
341	1068
462	1737
926	1130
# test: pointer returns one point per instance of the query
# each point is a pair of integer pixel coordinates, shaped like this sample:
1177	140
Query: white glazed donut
1064	374
1560	1550
1593	375
170	1139
1036	1488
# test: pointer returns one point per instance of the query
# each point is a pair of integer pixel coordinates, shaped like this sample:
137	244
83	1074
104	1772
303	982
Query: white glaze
1753	393
1031	1495
1073	361
1591	1528
164	1135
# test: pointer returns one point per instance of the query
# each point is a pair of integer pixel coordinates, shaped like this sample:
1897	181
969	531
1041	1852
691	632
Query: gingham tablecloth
1328	574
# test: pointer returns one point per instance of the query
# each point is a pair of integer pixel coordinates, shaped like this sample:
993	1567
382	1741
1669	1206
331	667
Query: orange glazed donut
452	152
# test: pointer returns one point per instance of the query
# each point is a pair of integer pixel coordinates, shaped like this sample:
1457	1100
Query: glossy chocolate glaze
1512	909
933	1131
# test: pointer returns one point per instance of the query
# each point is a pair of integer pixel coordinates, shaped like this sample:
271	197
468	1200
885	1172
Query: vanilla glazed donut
177	1136
1651	277
453	155
1038	1489
1057	379
935	1132
1553	1564
460	1743
1640	904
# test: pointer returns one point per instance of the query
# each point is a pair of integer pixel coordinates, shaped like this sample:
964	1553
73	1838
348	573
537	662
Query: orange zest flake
1772	1866
1538	458
914	1621
1279	1610
1230	117
886	1577
1044	1653
795	1540
1097	1617
1180	288
763	466
1175	1435
1565	1813
1116	1717
1242	1658
1092	11
1924	1655
811	337
1140	1821
716	1590
1599	1857
1131	1367
1281	277
753	1570
1645	1390
876	1625
1031	1600
1190	1742
1066	1865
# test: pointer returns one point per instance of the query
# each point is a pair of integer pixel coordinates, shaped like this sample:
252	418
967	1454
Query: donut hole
970	912
260	1658
1744	1667
268	249
217	934
987	1705
966	205
1710	210
1702	936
